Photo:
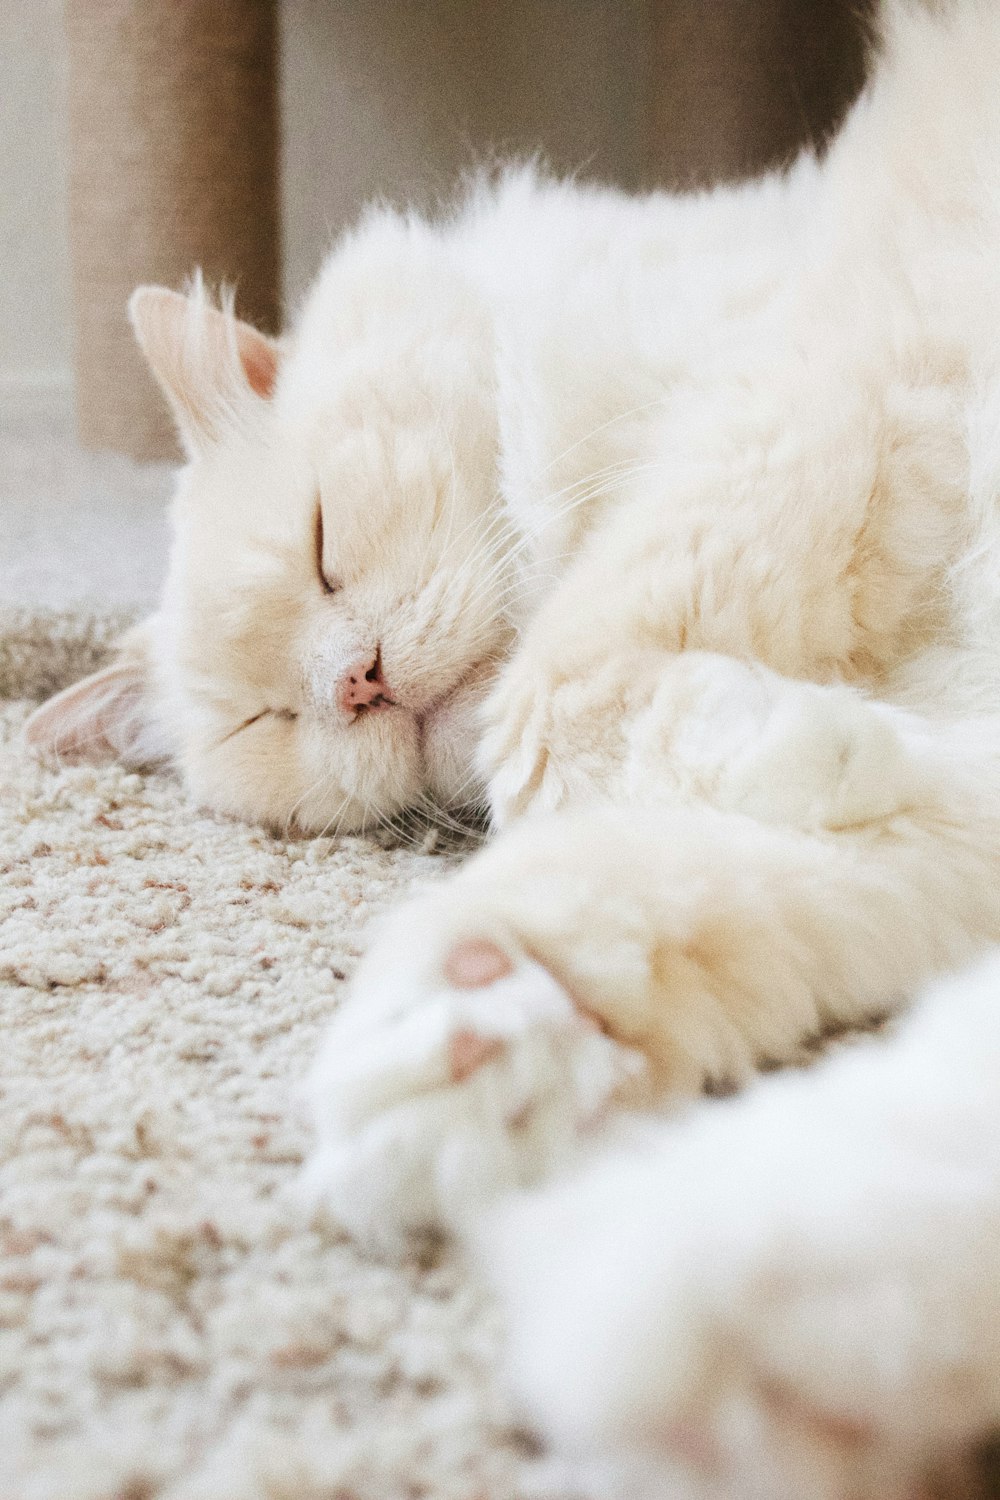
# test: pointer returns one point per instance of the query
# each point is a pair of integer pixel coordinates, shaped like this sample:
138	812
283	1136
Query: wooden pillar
738	86
173	165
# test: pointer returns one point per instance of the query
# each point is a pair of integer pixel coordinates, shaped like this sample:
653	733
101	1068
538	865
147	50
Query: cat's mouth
419	716
375	705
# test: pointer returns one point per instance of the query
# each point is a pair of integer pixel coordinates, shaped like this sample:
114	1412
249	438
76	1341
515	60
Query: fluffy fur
793	1295
672	527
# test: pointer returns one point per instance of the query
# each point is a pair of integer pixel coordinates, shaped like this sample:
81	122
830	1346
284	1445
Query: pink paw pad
470	965
468	1051
476	962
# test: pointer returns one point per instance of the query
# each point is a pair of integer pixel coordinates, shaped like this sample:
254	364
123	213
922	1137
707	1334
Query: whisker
521	544
442	819
324	776
622	416
337	820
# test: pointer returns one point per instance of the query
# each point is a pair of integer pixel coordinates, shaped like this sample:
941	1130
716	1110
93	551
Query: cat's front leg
497	1019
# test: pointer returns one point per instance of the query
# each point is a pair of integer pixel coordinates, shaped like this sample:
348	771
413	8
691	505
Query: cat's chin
425	758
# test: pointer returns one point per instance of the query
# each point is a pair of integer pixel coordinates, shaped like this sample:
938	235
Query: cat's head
335	603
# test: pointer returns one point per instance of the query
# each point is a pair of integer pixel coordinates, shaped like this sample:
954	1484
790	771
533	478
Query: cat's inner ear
107	716
208	363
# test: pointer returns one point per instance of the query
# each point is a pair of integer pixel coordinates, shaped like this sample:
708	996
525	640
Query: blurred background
144	136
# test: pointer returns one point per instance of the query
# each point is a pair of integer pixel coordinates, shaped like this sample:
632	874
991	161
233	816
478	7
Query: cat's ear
108	716
209	364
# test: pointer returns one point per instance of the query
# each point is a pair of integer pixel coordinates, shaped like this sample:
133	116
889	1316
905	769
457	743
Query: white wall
385	97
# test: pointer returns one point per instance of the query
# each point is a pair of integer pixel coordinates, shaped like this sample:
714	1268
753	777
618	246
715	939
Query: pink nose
362	687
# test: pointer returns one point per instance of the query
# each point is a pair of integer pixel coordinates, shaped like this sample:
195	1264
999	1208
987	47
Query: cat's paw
556	730
458	1068
641	1314
788	1295
692	729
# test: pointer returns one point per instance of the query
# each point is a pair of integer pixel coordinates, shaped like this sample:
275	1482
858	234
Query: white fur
795	1293
785	1306
404	1148
747	439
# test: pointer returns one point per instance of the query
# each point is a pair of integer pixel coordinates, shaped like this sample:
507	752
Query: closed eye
330	586
274	713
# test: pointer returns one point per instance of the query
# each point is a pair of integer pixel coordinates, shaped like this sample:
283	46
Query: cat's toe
428	1106
517	754
474	962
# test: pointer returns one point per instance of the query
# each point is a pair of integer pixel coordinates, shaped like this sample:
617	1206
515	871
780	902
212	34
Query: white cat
669	528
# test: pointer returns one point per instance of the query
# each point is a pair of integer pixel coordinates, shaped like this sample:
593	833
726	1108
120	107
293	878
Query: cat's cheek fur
308	779
450	736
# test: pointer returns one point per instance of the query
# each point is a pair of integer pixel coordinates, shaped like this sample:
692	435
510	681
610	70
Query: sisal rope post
173	164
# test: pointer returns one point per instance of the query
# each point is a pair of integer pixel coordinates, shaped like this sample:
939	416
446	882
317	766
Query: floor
80	530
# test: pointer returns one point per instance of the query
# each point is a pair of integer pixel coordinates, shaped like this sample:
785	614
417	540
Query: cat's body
671	528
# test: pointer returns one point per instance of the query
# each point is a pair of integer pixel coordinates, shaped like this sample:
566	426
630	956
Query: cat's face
334	609
308	557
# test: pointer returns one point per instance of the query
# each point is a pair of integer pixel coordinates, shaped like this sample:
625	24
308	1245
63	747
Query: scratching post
738	86
173	164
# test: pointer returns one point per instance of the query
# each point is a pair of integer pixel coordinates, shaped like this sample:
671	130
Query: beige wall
397	98
385	97
34	257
